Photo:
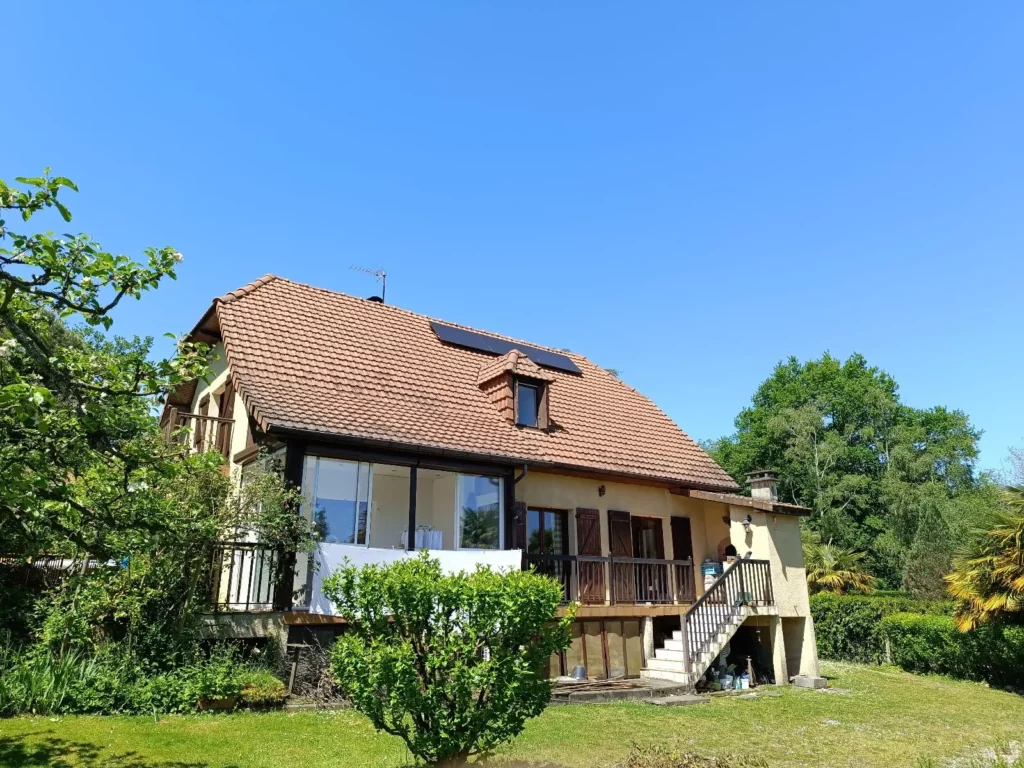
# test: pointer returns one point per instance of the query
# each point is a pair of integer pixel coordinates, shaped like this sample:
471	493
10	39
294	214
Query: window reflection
342	501
479	512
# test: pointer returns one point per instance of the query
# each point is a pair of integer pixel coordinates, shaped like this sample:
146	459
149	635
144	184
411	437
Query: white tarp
329	557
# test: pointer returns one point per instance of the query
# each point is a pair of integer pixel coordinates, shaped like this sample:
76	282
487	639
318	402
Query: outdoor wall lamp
600	490
746	523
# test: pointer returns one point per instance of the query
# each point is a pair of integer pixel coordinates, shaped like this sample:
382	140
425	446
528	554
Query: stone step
669	654
672	665
684	678
674	645
685	700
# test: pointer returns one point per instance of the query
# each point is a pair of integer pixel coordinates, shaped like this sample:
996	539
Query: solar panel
483	343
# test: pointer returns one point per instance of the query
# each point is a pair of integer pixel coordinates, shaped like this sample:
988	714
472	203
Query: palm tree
831	568
988	574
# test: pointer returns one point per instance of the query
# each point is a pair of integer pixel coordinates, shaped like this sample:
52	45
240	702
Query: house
405	432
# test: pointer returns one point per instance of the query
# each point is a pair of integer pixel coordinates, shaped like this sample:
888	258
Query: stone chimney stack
763	485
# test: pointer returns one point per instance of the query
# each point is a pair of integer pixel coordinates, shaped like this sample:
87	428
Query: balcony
248	577
199	432
593	580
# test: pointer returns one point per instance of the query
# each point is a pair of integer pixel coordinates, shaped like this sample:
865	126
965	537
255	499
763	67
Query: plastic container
711	569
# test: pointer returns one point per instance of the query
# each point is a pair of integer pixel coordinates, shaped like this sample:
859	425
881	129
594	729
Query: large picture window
341	506
479	507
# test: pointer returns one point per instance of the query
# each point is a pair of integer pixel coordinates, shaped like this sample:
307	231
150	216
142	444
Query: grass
888	718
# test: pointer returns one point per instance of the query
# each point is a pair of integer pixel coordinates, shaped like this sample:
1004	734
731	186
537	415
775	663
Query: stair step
669	654
677	635
684	678
672	665
674	645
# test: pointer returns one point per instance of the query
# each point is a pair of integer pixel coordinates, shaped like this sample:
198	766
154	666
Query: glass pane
533	537
527	406
342	501
554	533
479	511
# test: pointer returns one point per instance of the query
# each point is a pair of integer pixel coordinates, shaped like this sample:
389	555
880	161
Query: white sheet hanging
329	557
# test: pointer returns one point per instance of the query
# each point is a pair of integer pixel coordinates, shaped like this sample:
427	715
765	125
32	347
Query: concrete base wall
801	646
245	626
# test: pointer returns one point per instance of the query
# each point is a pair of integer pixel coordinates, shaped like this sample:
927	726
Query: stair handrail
723	611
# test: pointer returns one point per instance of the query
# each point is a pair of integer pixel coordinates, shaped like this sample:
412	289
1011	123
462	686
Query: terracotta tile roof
514	362
309	359
746	501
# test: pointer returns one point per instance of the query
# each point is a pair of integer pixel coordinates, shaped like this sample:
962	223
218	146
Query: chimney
763	485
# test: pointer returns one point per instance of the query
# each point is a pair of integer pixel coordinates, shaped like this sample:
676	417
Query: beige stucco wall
213	386
775	538
551	491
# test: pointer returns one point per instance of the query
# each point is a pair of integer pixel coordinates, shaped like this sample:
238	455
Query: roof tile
310	359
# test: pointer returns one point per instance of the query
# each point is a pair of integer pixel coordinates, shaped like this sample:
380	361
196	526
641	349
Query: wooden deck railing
593	580
200	433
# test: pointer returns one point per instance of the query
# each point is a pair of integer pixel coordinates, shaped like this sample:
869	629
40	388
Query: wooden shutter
588	542
225	410
588	532
620	539
200	425
620	534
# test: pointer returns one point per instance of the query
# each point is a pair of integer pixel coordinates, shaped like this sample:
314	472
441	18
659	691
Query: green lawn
888	718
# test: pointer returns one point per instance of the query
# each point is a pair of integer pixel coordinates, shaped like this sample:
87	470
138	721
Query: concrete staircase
744	589
669	662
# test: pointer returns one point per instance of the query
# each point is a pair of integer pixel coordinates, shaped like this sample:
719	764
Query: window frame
369	498
458	513
540	422
563	514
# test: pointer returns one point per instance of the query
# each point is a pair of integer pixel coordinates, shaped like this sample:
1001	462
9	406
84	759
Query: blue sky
687	192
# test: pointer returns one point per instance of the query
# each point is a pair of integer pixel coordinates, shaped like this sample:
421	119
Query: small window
527	405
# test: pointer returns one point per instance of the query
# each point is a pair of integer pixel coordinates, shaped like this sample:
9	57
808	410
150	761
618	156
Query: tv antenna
380	273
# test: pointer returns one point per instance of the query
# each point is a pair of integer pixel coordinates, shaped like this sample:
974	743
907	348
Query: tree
845	445
76	420
453	664
930	558
834	569
988	574
84	469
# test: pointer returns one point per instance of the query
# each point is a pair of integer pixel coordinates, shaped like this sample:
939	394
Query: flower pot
218	704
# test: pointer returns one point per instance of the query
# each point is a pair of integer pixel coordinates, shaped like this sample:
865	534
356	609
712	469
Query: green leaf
63	210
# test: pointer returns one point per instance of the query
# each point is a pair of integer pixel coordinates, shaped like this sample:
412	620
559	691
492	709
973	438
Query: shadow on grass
53	752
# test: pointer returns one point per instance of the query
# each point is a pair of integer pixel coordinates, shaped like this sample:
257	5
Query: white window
341	501
479	506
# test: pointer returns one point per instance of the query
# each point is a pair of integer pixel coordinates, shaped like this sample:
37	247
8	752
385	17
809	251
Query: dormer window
527	404
519	389
531	403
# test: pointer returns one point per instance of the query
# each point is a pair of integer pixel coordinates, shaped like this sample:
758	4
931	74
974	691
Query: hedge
849	627
932	644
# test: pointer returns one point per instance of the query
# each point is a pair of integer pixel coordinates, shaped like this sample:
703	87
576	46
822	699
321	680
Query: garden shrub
992	653
657	756
34	681
261	688
849	627
453	664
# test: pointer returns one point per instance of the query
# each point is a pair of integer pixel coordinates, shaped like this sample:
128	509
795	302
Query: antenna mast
379	273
